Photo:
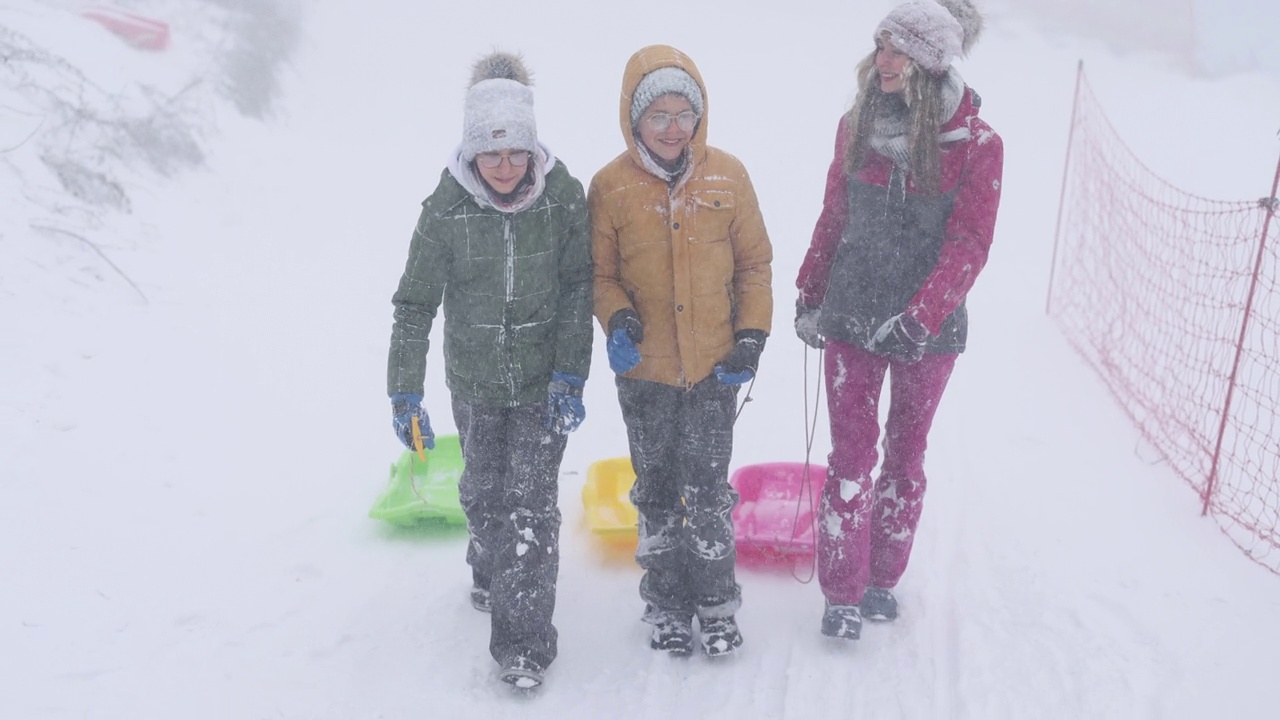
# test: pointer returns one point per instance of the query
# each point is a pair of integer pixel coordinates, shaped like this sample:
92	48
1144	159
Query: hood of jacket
466	175
644	61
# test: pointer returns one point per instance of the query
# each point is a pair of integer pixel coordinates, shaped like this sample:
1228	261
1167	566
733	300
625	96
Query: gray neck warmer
890	127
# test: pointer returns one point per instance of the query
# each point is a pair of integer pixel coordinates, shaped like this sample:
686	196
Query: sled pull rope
417	438
810	431
417	445
745	400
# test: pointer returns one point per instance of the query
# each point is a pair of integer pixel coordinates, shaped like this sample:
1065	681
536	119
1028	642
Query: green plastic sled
419	491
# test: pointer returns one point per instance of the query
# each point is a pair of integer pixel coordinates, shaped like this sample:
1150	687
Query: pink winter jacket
938	271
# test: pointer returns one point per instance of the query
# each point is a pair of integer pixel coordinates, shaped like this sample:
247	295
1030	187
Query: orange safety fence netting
1174	300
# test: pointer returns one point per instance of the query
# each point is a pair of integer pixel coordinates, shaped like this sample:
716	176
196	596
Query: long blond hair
922	93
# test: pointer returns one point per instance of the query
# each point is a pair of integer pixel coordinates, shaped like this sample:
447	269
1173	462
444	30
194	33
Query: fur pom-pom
970	19
504	65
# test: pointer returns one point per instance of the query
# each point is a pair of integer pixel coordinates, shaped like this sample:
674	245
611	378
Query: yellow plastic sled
609	513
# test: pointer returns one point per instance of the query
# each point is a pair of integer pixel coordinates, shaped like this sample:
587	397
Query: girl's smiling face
891	64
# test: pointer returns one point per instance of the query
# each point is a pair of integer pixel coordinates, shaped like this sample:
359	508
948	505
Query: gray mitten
807	319
901	337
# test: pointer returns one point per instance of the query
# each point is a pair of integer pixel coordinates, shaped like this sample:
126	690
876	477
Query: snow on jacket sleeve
573	314
969	232
815	271
416	301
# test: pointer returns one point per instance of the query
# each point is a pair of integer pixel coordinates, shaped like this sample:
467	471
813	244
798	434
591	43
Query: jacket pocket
712	215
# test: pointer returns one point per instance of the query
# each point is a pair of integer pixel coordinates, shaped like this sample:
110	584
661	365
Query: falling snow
193	427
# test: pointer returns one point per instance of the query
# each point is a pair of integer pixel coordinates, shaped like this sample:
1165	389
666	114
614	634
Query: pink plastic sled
773	519
141	32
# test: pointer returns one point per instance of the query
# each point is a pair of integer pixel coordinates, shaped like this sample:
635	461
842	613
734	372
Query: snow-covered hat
498	111
933	33
664	81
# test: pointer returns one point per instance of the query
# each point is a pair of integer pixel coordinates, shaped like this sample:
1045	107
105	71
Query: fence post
1066	165
1269	207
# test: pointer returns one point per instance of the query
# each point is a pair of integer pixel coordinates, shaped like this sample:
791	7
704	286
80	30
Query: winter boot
480	599
672	633
522	673
720	636
879	604
842	621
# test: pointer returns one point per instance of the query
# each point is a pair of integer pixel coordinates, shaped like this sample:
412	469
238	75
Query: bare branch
100	254
24	140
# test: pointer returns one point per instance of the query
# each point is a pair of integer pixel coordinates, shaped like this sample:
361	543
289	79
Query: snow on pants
865	529
681	441
509	491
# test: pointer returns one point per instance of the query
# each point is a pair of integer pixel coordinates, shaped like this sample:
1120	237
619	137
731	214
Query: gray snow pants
681	441
509	490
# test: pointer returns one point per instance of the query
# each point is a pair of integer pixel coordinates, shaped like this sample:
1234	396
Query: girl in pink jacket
907	221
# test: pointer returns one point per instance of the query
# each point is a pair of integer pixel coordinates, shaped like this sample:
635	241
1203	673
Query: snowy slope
186	476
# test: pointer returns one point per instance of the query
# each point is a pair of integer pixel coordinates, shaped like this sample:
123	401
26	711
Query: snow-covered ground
193	422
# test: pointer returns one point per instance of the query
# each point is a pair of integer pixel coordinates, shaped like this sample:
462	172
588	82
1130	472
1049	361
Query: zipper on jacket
671	219
895	205
897	184
510	272
511	257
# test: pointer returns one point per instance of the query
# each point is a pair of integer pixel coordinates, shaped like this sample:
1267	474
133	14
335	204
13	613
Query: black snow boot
672	633
842	621
522	673
720	636
879	604
480	599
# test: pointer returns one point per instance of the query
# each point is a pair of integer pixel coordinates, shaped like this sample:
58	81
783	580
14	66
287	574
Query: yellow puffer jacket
693	260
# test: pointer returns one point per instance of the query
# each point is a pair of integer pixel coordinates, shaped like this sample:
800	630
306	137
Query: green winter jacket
516	289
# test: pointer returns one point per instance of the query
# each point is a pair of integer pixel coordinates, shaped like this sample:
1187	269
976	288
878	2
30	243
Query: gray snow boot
480	599
842	621
879	604
522	673
672	633
720	636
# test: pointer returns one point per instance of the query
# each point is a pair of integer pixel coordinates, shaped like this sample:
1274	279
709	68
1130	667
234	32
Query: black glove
627	319
807	319
902	338
741	363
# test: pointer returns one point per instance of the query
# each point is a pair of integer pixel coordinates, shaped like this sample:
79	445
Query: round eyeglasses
493	160
660	121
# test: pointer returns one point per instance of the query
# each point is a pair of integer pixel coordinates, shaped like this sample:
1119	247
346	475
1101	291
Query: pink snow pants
865	529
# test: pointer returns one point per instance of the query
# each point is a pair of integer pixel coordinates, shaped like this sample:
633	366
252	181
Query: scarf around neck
671	177
892	123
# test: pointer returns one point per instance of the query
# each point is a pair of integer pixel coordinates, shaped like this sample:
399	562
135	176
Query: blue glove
565	411
901	337
625	332
624	356
741	363
404	407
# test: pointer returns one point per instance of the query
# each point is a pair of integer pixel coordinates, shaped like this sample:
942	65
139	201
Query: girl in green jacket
503	244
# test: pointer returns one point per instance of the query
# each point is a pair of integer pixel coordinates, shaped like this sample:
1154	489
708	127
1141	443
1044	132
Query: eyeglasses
493	160
659	122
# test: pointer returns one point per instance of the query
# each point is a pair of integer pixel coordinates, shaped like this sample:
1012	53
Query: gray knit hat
498	111
933	33
664	81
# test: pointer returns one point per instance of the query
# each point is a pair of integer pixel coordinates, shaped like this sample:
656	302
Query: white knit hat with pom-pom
498	111
933	33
